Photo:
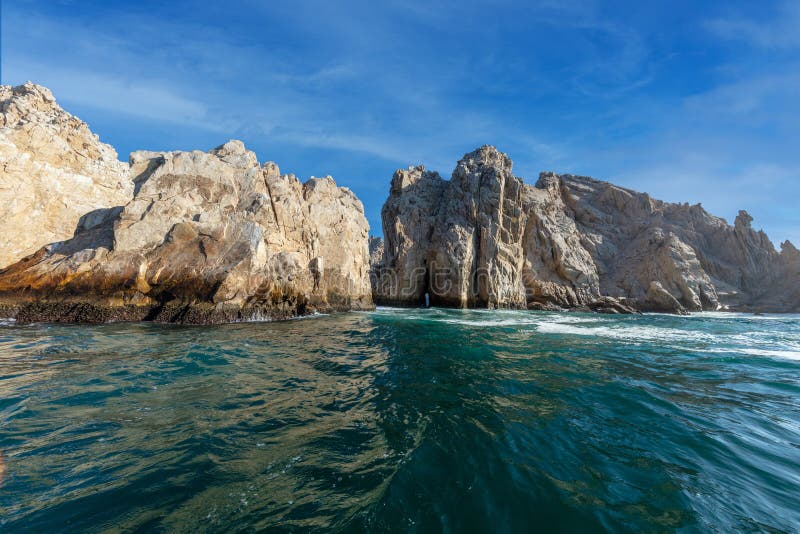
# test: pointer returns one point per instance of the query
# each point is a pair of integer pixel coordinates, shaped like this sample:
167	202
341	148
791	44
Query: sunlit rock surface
208	237
53	171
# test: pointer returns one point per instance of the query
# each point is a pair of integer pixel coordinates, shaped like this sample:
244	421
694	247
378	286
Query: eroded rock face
559	271
409	217
697	258
54	171
476	241
208	237
488	240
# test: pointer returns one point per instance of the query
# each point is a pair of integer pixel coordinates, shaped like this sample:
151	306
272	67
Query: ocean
404	421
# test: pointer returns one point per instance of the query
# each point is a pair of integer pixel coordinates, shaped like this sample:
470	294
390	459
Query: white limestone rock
53	171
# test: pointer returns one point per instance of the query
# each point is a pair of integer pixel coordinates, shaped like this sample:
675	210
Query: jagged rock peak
21	101
403	178
235	153
486	156
789	248
55	170
743	220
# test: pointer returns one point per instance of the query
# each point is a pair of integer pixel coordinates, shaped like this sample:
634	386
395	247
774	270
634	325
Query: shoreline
81	313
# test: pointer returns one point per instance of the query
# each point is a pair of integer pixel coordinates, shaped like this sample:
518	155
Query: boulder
613	305
659	299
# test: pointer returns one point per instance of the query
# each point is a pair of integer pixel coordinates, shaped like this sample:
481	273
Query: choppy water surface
404	420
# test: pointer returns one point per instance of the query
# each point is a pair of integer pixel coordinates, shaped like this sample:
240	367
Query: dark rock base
197	314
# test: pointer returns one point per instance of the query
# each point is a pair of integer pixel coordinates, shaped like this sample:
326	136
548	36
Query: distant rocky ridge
486	239
198	237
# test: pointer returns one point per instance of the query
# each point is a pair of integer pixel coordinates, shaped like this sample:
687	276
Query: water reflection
402	420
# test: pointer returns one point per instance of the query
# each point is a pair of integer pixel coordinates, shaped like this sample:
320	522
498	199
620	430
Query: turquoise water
405	421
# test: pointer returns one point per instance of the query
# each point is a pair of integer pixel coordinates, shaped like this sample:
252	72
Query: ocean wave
788	354
481	318
490	322
624	332
725	331
743	315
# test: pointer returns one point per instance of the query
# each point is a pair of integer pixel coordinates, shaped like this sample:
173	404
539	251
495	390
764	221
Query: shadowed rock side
375	250
208	237
409	217
485	239
53	171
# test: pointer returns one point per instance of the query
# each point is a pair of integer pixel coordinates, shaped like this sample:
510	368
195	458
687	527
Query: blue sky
689	101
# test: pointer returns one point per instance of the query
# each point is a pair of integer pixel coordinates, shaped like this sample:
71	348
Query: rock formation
477	238
54	171
408	221
485	239
204	237
208	237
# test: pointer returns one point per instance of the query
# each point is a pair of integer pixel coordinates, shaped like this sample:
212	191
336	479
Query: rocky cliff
54	171
486	239
214	236
198	237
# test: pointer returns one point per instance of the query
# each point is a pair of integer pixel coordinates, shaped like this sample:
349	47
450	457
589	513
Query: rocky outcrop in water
477	236
214	236
54	171
486	239
409	216
208	237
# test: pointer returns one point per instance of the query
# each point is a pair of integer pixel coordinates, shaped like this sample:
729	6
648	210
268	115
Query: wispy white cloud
779	30
142	98
768	98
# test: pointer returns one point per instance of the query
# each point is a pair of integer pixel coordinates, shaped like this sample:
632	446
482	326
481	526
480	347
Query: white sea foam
678	332
259	317
308	316
481	318
740	315
788	354
489	322
625	333
754	343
